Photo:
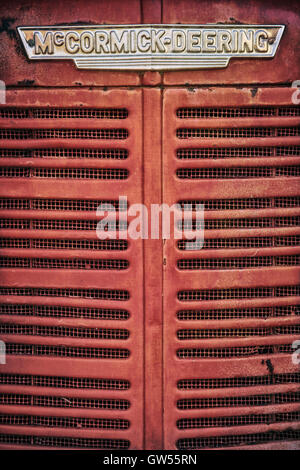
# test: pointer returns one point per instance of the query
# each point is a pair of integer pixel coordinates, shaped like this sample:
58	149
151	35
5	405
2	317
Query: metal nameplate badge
151	47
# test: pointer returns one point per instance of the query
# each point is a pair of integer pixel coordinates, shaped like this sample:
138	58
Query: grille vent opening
238	263
61	204
49	263
61	113
63	422
232	313
230	382
14	224
194	443
251	400
219	224
113	154
64	402
65	351
61	244
58	311
238	132
261	111
243	172
63	331
66	442
239	351
240	204
187	334
236	152
28	134
238	293
242	420
68	173
231	243
103	294
62	224
64	382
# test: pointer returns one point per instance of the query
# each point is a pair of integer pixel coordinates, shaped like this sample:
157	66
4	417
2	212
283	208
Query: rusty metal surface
108	326
225	327
283	68
58	236
15	69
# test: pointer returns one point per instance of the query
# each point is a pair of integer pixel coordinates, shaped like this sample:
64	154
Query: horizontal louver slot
44	263
240	351
65	442
239	263
237	152
237	332
237	439
239	293
68	173
26	134
252	400
65	351
232	313
59	311
63	331
219	224
231	243
63	422
245	172
114	154
260	111
104	294
61	113
243	420
240	204
57	244
64	402
238	133
62	224
61	204
230	382
64	382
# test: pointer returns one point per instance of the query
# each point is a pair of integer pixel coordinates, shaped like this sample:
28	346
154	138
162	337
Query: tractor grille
231	301
67	303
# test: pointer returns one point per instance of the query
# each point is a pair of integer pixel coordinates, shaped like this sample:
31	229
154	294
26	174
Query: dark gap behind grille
61	113
236	152
114	154
103	294
65	442
58	311
231	382
237	440
261	111
28	134
64	382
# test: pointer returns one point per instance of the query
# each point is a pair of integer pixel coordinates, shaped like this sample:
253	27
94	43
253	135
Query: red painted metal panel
229	321
284	68
153	276
74	337
14	65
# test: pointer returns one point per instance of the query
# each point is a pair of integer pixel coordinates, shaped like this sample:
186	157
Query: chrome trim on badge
151	47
